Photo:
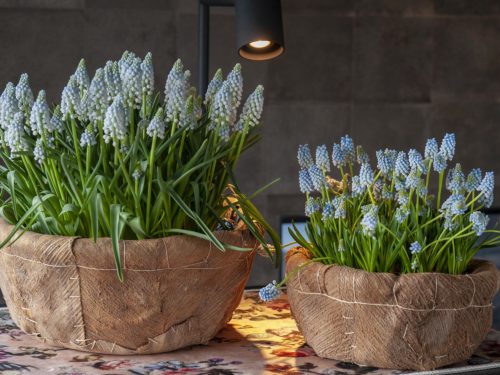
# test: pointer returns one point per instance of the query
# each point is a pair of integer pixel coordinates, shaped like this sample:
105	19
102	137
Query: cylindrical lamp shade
259	29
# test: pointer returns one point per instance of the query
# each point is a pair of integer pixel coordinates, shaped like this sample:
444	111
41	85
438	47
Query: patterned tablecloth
260	339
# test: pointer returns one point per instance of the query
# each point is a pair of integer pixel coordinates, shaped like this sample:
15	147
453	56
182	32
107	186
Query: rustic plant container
417	321
178	291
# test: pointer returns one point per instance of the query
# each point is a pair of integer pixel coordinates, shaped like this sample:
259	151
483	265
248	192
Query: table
260	339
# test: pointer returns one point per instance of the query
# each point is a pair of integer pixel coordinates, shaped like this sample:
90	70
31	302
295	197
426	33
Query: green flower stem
150	181
76	145
440	188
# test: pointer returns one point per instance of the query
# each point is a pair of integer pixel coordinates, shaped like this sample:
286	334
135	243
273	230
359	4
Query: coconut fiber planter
412	321
178	291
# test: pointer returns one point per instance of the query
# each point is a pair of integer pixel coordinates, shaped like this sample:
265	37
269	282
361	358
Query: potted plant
385	276
123	230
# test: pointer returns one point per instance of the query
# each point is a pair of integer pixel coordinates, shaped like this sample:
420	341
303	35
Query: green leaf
116	229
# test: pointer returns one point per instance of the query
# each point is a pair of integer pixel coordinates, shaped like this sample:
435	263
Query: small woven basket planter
178	291
412	321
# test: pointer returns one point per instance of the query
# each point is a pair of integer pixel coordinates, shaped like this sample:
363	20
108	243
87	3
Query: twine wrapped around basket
411	321
178	291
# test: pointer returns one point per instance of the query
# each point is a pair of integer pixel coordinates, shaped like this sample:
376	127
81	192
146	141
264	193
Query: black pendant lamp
259	32
259	29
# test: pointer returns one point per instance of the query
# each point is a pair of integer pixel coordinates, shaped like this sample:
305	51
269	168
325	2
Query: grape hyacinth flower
415	248
95	101
339	203
131	78
24	95
148	75
486	189
403	198
137	174
450	224
305	182
357	187
8	105
304	156
401	214
455	180
369	222
479	222
56	123
383	163
157	125
71	100
431	149
416	161
235	82
82	77
454	205
366	175
269	292
115	122
113	80
347	146
338	156
40	115
412	180
88	137
221	113
252	110
447	148
39	151
15	135
190	114
439	163
361	155
213	87
312	206
328	211
473	180
402	166
317	177
176	91
322	158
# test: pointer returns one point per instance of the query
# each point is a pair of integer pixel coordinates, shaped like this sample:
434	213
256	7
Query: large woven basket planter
178	291
412	321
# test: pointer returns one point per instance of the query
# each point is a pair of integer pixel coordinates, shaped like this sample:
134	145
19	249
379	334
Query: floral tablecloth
260	339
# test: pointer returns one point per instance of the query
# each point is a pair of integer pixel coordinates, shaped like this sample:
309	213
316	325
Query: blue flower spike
270	292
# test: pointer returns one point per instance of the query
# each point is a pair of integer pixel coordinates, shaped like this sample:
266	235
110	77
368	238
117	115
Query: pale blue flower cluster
305	182
15	135
176	91
479	222
88	137
312	206
252	110
317	177
328	211
486	188
40	115
214	86
157	125
269	292
322	158
8	105
369	222
304	156
115	123
225	102
24	95
415	247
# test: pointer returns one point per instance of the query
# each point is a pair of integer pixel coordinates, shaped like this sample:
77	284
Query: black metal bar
218	3
203	46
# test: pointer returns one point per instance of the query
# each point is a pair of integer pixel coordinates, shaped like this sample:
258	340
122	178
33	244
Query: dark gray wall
389	72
